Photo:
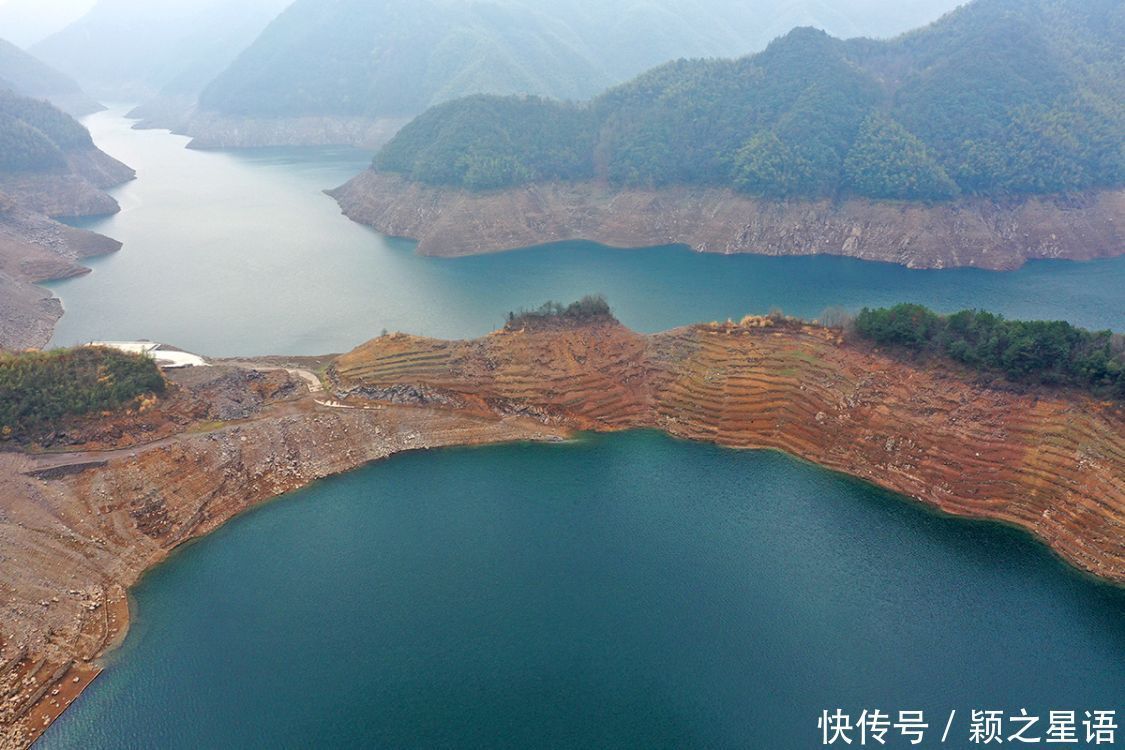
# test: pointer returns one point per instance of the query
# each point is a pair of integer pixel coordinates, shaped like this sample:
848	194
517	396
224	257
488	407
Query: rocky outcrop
76	529
1051	463
975	232
210	130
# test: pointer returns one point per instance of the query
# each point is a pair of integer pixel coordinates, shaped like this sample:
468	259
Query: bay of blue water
624	591
229	253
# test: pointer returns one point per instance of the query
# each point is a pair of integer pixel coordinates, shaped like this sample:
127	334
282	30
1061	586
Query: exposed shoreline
35	247
976	233
232	437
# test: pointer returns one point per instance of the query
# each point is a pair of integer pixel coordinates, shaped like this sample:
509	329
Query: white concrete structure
166	359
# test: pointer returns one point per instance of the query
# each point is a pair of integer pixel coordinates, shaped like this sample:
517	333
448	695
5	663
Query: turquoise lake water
230	253
625	591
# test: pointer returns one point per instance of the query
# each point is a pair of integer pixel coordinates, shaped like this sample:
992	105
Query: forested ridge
1001	97
27	75
34	135
1040	352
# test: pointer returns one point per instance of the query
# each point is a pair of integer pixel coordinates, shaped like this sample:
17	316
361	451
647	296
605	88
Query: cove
623	590
240	253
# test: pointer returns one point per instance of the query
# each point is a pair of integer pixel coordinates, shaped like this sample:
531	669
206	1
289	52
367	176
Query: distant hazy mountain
25	22
22	73
135	48
999	97
390	58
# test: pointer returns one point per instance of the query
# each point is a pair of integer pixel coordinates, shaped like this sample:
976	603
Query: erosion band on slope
977	232
119	492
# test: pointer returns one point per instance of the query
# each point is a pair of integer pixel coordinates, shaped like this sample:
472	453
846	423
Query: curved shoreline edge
978	233
80	527
85	527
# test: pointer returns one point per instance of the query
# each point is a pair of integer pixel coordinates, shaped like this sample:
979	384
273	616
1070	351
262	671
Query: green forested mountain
998	97
391	58
34	135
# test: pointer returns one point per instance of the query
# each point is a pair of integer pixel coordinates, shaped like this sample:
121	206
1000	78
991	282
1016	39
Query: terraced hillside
1051	463
115	494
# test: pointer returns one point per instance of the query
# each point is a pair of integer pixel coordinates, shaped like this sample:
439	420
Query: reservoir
240	253
619	591
624	590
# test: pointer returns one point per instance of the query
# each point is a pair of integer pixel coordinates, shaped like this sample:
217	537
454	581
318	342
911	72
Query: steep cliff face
1052	464
977	232
78	528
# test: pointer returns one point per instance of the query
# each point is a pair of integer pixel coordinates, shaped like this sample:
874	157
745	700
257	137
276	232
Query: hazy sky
25	22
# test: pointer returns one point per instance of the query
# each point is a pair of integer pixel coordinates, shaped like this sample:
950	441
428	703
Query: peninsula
92	502
49	170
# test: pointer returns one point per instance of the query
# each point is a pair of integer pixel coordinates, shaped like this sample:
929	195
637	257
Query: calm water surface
622	591
240	253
